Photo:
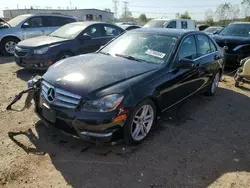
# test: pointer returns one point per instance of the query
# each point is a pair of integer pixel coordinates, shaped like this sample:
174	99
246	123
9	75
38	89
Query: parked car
129	27
69	40
28	26
171	23
202	27
123	87
234	39
213	30
125	23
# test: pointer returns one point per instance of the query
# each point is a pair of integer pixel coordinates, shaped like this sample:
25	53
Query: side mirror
186	64
215	32
85	37
26	25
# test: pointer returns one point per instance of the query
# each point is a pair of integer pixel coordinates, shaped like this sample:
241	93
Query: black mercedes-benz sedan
235	41
122	88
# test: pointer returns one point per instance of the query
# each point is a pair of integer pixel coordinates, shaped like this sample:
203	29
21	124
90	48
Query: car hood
41	41
93	72
231	39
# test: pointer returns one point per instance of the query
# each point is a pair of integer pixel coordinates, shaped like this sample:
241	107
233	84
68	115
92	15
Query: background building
80	14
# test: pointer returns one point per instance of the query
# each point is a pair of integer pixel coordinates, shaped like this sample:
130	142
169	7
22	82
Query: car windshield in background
212	29
155	23
240	30
69	31
144	47
17	20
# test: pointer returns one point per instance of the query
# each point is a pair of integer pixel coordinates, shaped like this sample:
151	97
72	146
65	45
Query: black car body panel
91	73
25	56
235	47
40	41
93	76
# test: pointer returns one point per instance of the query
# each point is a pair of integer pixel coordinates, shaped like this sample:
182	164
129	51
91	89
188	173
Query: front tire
8	45
139	122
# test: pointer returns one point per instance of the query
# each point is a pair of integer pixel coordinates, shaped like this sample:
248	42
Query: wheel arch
9	36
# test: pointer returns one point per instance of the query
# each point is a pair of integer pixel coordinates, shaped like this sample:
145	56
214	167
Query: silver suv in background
28	26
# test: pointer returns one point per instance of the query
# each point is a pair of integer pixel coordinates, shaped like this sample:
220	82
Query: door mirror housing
85	37
186	63
26	25
215	32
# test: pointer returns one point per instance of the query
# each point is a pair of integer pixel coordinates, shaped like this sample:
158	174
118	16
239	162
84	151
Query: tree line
226	13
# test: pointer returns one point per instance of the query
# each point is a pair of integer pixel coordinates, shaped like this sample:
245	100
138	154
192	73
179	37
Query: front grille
61	98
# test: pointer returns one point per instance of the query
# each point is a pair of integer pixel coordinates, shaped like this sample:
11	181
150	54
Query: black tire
237	84
210	91
4	42
62	55
129	140
238	79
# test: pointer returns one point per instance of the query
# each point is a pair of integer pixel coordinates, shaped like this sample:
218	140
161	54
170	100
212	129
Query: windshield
156	23
240	30
150	48
17	20
69	31
212	29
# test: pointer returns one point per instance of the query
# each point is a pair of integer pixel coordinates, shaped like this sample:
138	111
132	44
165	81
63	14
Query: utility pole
116	2
125	8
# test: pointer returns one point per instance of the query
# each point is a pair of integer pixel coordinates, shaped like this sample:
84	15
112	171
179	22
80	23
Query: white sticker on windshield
155	53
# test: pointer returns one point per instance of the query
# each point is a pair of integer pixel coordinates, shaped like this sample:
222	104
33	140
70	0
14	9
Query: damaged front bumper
94	127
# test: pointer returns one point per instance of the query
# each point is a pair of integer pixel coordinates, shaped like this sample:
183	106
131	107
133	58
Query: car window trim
176	57
32	18
209	46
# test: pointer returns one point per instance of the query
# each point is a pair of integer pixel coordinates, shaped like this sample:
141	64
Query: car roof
48	14
88	23
165	31
241	23
215	27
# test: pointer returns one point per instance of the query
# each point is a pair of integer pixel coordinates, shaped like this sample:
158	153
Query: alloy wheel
10	47
215	82
142	122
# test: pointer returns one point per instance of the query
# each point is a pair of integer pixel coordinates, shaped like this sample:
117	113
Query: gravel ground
203	143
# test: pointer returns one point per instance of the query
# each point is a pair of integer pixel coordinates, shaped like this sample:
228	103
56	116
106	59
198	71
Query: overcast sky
154	9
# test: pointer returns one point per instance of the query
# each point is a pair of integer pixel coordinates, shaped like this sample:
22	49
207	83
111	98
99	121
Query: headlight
105	104
41	50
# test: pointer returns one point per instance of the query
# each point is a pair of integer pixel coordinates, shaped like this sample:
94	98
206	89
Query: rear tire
139	122
7	46
213	85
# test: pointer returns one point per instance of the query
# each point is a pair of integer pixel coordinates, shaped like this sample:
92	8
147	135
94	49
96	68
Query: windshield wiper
132	58
105	53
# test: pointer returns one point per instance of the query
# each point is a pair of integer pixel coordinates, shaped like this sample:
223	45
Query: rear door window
203	45
54	21
184	25
212	46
